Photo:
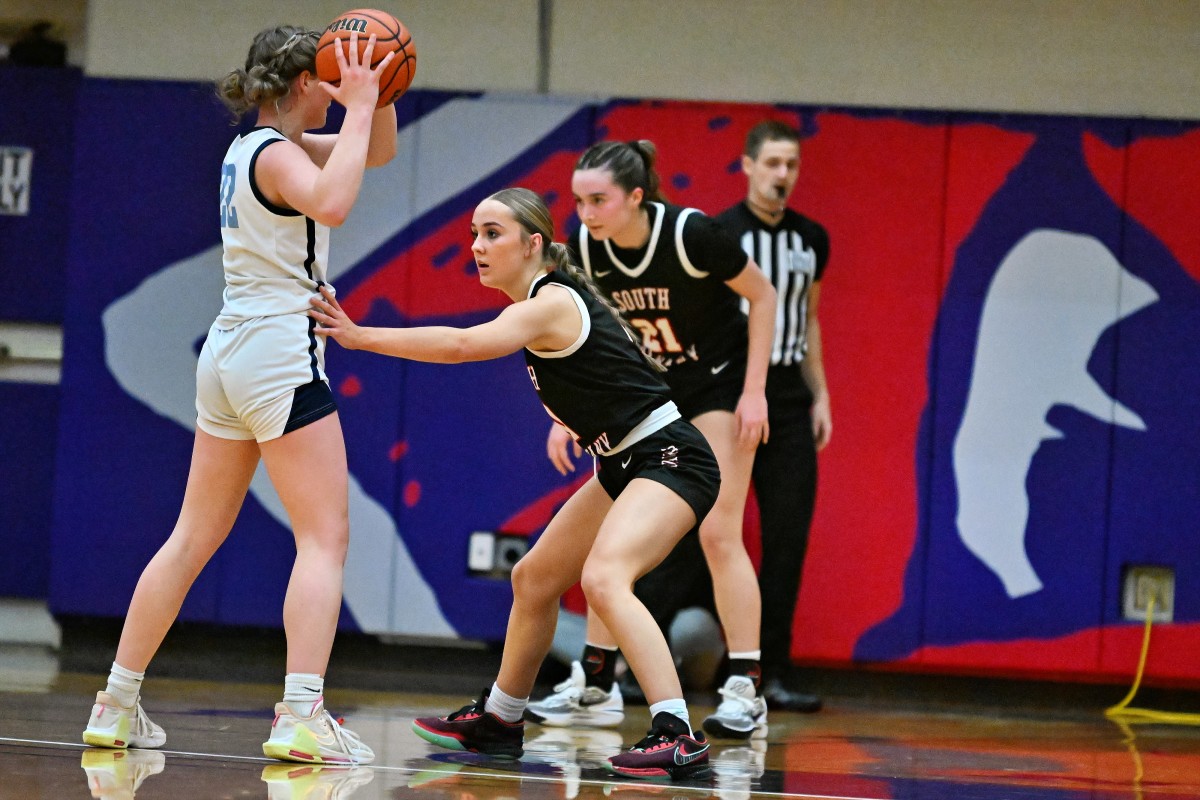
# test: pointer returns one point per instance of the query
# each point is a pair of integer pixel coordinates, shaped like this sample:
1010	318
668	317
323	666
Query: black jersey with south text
673	292
793	255
601	386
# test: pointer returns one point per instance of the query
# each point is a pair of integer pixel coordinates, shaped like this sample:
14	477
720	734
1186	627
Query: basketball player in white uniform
261	389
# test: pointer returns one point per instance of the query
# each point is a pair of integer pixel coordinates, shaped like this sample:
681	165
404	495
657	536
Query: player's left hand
558	446
358	82
333	321
751	415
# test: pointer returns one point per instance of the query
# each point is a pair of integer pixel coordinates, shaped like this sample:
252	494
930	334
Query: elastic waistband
654	422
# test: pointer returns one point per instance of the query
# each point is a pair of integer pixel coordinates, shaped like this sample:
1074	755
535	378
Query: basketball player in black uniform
656	477
793	251
679	279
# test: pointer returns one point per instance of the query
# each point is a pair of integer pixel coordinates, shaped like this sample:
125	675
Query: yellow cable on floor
1123	713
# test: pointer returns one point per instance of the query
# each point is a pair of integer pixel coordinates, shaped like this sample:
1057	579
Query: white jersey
275	258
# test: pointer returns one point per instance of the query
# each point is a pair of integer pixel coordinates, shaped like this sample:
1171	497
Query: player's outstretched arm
542	323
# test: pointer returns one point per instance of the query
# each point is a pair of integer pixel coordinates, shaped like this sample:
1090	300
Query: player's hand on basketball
557	444
333	321
359	83
751	416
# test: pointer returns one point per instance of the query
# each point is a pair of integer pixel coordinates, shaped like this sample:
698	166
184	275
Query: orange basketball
390	35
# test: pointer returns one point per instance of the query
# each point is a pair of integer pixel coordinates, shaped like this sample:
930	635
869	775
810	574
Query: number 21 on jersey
228	182
657	335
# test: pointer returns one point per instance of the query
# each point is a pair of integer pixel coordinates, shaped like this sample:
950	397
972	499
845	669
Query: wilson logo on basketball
347	24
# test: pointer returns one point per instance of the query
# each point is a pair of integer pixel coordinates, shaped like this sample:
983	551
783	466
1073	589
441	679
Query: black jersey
673	292
793	255
601	387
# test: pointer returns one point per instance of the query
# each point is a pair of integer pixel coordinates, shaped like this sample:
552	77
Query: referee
792	250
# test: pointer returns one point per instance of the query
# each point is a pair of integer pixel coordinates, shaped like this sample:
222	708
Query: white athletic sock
301	690
124	684
749	655
677	707
505	706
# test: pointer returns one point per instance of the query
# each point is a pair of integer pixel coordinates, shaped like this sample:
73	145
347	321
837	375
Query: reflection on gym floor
853	749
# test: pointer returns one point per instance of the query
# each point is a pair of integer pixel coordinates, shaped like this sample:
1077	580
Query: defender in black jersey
656	477
672	288
678	278
792	251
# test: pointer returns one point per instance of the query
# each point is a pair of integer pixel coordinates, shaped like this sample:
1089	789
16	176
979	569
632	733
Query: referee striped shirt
793	255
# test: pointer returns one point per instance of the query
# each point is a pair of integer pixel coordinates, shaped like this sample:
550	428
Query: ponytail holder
293	40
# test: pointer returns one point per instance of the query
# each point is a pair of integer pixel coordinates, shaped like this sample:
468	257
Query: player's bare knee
719	539
601	586
332	541
532	584
188	553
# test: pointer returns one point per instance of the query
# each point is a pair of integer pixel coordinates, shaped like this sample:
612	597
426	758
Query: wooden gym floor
881	743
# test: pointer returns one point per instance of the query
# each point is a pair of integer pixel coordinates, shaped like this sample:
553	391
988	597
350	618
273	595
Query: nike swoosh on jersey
625	463
719	367
682	757
602	274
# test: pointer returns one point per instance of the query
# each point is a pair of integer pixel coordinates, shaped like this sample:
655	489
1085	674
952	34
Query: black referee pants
785	483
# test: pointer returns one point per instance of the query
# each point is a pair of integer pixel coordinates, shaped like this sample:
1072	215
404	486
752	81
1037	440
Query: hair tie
292	41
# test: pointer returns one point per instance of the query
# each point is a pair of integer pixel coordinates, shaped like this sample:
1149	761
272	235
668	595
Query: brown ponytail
276	57
631	165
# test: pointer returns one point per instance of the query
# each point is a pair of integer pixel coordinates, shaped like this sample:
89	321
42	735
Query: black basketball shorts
678	457
699	397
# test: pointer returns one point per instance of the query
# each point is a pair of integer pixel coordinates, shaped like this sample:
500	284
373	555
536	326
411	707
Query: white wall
1127	57
460	43
1118	57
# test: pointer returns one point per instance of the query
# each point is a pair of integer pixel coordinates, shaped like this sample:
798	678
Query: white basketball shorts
262	378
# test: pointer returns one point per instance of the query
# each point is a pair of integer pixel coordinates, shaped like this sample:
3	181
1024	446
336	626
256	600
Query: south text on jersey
643	298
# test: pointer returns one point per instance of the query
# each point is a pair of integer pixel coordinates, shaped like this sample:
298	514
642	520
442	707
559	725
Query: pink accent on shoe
647	771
